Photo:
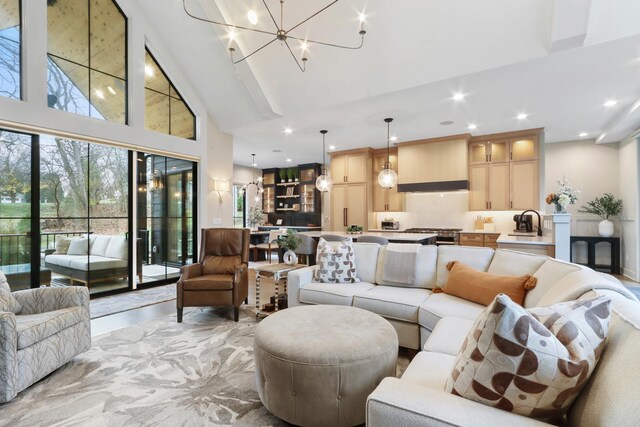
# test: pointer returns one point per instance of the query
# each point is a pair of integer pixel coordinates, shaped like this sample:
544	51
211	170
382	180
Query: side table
278	272
591	242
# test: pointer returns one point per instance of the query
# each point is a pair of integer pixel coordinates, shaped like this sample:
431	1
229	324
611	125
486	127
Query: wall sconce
220	186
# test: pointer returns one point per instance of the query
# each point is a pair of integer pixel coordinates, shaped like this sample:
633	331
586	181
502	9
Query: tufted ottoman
316	365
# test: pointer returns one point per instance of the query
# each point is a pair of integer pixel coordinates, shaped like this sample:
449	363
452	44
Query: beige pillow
62	245
336	264
531	362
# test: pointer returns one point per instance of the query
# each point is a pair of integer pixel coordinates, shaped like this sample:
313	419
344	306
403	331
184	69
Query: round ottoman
316	365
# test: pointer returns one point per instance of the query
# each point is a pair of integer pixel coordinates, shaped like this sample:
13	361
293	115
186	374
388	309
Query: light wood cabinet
349	206
488	240
386	199
433	160
350	167
351	198
504	171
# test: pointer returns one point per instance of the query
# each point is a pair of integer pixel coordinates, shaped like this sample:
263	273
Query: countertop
533	239
380	230
401	237
480	232
294	227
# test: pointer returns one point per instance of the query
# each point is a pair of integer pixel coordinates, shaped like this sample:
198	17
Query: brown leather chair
222	275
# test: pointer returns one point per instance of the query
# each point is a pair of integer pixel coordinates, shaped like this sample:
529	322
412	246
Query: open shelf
292	196
286	184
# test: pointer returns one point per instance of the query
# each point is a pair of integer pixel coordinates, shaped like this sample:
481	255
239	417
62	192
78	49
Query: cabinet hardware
490	158
489	205
486	205
511	204
344	216
486	158
510	155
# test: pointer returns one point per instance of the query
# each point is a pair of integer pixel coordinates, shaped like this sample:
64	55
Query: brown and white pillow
336	262
531	362
62	245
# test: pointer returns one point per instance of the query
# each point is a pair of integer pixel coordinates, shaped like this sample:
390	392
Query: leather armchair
221	276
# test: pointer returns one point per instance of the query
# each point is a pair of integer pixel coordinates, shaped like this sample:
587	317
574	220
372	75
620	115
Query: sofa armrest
297	279
401	403
8	357
190	271
41	300
48	252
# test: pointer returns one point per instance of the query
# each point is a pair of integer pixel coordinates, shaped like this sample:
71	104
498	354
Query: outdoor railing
15	248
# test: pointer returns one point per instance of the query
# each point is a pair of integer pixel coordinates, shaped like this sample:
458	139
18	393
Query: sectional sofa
437	324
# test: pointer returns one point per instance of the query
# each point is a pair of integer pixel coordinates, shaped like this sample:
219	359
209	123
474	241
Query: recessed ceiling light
252	16
472	126
289	160
610	103
288	131
148	70
394	138
362	17
522	116
332	147
446	123
99	93
583	134
232	35
458	96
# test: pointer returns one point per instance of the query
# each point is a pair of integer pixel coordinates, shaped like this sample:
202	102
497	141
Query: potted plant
290	242
255	217
282	173
355	229
564	196
296	174
290	174
605	207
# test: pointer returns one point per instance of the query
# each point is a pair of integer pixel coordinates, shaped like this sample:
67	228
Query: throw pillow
531	362
480	287
7	302
78	246
336	264
62	245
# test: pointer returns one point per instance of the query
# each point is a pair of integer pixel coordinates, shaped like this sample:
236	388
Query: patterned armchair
51	327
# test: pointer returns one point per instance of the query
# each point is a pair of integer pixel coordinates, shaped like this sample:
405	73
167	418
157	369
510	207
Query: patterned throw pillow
336	263
62	245
7	302
531	362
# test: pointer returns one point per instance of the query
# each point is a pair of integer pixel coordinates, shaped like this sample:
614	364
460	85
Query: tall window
238	206
87	58
165	110
10	48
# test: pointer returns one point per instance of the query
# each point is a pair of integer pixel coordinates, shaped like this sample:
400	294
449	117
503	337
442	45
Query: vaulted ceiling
558	61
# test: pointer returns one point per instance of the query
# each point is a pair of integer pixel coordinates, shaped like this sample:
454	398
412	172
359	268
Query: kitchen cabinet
351	166
433	160
349	206
269	195
504	171
479	239
351	195
386	199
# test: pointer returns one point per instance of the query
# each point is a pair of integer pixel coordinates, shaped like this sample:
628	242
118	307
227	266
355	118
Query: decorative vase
290	258
559	208
605	228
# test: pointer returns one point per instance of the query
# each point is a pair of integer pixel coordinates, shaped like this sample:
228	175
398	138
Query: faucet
539	227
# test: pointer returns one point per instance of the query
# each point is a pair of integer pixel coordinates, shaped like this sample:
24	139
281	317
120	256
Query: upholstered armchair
221	277
46	329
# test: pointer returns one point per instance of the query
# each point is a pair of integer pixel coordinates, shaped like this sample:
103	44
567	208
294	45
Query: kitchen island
528	242
421	238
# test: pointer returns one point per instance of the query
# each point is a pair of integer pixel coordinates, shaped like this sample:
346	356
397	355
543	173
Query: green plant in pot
296	174
290	242
290	174
355	229
605	207
282	173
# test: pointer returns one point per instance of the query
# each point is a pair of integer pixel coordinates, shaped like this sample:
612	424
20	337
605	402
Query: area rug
128	301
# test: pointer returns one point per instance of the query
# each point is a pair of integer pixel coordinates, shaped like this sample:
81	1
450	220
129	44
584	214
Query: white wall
629	177
219	166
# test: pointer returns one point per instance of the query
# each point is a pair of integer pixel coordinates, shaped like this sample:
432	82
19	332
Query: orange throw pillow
480	287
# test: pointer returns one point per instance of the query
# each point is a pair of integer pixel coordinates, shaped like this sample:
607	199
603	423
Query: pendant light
324	181
257	182
387	178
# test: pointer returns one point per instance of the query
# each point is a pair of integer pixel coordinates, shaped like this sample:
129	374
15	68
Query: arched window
164	109
87	58
10	40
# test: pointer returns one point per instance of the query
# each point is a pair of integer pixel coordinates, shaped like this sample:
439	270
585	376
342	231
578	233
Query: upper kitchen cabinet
524	148
496	151
350	165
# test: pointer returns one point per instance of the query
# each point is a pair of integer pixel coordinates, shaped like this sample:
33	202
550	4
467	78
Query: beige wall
219	166
629	177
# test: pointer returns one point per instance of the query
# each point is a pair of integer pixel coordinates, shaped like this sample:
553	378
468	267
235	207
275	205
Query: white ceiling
417	53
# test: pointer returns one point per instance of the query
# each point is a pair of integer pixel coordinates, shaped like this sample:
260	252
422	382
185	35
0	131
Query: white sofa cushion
366	260
430	370
548	275
78	246
442	305
392	302
61	260
448	335
117	248
95	262
512	263
332	293
425	273
100	245
478	258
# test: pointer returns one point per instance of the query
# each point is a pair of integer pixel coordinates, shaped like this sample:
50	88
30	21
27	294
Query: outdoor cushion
512	263
210	282
100	245
478	286
94	262
62	260
448	335
33	328
429	369
531	362
548	275
478	258
79	246
438	306
117	248
366	256
333	293
62	245
425	267
392	302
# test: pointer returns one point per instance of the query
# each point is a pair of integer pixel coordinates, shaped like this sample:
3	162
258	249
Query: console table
591	241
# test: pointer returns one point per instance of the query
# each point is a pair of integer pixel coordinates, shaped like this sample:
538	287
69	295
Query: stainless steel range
445	236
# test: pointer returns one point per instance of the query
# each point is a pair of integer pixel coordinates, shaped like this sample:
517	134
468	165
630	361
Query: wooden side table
278	272
591	242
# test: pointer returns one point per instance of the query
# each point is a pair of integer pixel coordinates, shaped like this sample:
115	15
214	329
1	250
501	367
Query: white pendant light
387	178
324	181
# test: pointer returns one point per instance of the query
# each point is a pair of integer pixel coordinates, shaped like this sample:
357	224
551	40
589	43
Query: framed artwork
290	191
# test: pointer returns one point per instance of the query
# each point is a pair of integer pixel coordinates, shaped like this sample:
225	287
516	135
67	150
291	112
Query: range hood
437	186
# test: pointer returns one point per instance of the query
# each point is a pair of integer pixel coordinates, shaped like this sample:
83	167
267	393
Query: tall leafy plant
605	207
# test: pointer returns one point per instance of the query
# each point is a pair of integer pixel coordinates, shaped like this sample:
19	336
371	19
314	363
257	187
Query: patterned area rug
118	303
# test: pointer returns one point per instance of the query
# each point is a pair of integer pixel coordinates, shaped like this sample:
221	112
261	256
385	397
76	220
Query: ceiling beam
570	24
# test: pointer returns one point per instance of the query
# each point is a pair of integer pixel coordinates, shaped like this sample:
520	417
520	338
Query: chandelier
281	33
387	177
324	181
254	181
